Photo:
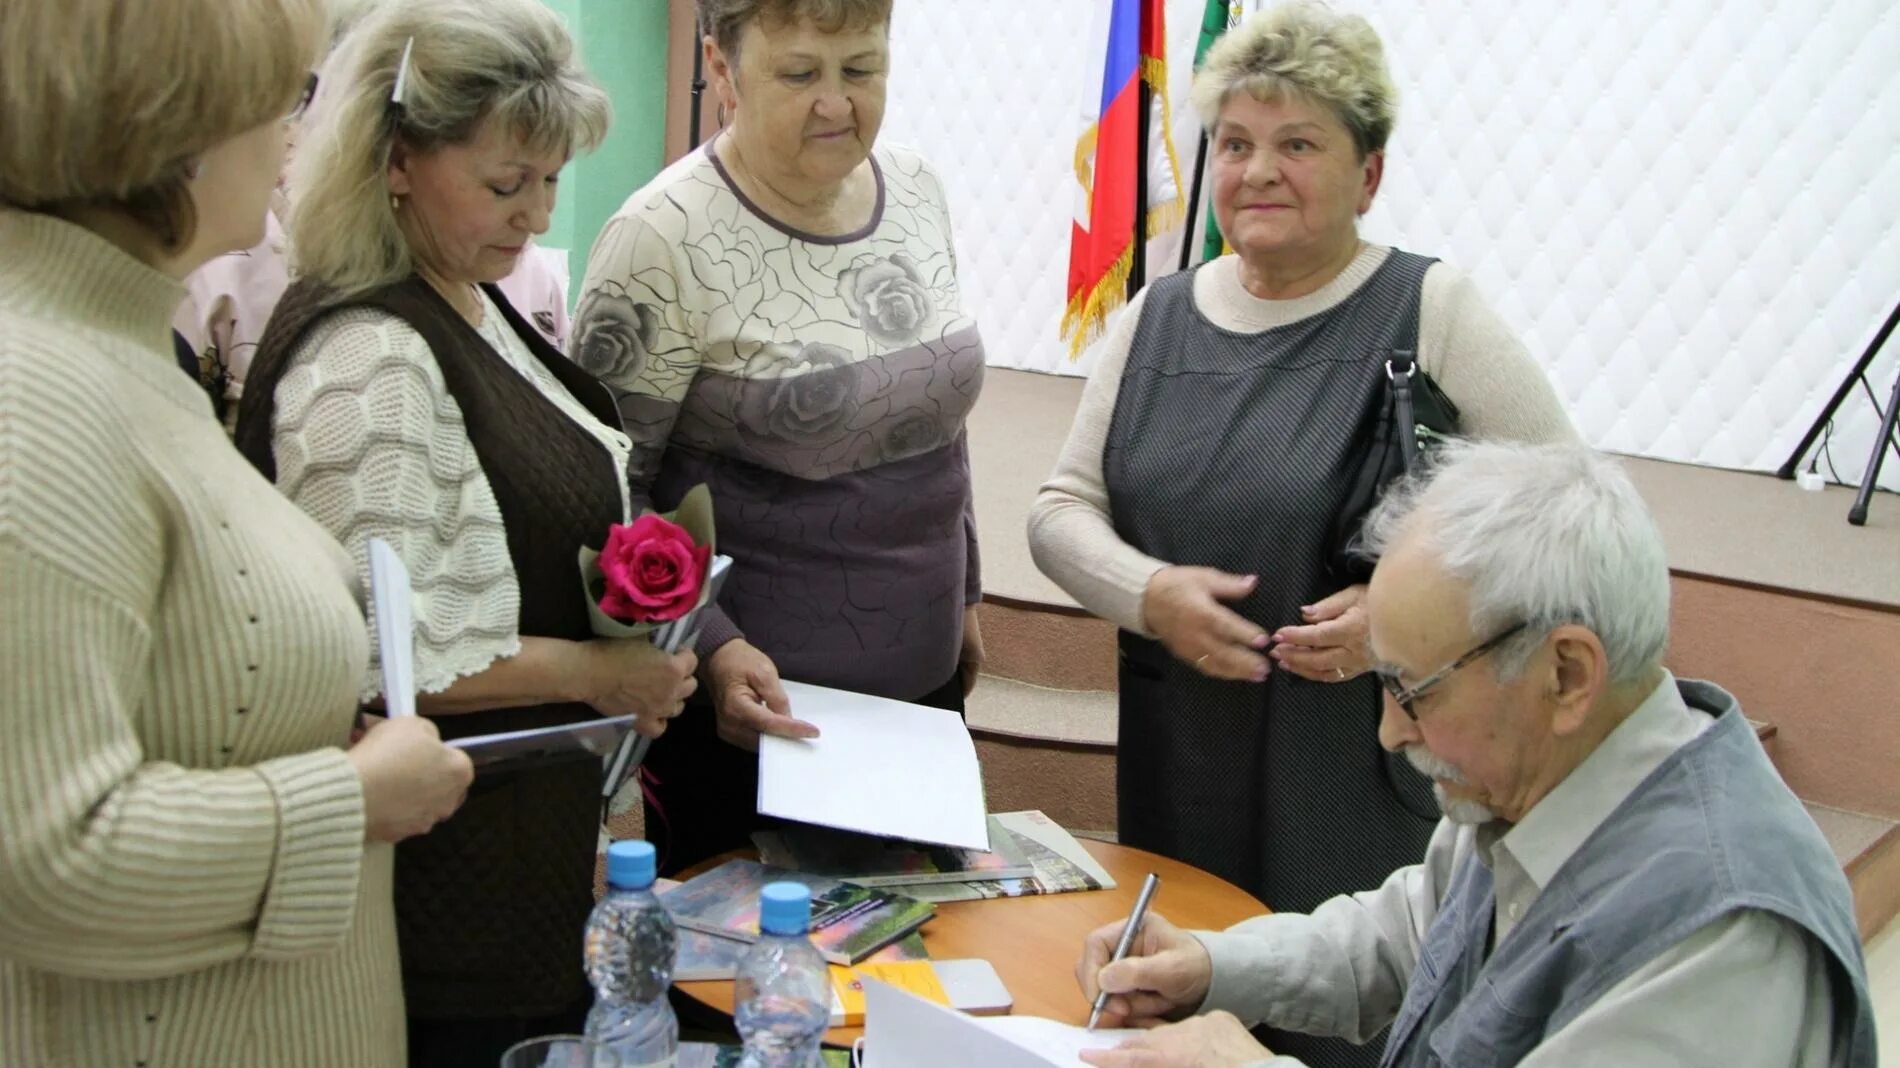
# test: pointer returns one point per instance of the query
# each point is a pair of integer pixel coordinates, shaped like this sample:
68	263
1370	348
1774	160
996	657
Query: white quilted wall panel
1690	211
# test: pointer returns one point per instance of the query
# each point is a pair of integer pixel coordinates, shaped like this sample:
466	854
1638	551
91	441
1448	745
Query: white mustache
1432	767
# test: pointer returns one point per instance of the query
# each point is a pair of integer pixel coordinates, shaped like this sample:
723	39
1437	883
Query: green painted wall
623	44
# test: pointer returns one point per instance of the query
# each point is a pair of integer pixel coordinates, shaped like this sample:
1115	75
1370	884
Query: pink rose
651	570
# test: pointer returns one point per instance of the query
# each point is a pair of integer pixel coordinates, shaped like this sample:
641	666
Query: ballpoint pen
1127	942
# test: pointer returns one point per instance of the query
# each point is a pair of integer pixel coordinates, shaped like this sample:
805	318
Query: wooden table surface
1034	942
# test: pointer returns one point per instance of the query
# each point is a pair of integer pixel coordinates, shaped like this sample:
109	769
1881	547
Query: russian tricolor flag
1107	159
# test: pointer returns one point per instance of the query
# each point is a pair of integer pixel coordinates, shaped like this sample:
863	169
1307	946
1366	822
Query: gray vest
1711	831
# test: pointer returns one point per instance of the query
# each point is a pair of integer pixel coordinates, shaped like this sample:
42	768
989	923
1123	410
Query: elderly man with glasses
1620	878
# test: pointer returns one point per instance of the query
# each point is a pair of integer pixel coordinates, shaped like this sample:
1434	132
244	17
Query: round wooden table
1034	942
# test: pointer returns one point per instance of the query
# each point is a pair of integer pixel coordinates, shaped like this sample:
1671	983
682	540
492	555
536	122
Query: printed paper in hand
878	766
395	636
390	593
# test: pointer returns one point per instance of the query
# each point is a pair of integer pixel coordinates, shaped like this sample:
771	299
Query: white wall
1691	212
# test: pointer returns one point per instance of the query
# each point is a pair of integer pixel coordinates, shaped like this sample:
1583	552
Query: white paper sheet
902	1030
395	635
882	767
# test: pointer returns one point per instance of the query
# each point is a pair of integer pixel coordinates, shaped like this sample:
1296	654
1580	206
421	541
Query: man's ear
1580	673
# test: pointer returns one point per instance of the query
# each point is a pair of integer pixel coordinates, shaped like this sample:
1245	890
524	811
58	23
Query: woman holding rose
780	316
396	394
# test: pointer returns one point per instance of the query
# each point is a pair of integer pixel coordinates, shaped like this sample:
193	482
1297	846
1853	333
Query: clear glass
782	1002
558	1051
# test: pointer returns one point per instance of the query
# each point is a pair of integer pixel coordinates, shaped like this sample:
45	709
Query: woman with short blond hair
1202	500
397	394
194	860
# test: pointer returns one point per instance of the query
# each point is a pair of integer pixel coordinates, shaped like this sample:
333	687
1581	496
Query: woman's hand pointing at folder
748	698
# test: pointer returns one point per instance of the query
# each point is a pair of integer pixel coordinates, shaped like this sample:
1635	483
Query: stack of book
1029	854
869	894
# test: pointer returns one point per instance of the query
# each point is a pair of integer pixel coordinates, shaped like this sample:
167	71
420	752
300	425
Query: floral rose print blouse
819	385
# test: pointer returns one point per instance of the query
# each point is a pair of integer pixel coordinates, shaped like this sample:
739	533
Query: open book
902	1030
872	860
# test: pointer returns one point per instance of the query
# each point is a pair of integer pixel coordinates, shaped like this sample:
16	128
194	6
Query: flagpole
1138	267
1194	202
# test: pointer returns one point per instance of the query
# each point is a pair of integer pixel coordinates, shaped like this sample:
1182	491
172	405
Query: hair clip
401	87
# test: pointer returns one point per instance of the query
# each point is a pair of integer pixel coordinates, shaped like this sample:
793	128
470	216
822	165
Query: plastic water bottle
782	997
629	950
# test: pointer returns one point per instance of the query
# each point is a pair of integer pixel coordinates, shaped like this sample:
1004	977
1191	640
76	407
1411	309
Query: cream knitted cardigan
183	874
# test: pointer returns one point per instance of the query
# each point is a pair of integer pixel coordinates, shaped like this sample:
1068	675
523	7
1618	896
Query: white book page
395	635
1054	1042
902	1030
879	766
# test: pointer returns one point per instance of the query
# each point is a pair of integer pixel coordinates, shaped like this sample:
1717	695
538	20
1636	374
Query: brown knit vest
491	904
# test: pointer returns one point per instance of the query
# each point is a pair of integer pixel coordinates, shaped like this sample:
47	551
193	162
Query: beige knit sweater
183	875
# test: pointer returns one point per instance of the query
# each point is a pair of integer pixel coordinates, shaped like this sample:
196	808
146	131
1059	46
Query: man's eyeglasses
1405	696
304	98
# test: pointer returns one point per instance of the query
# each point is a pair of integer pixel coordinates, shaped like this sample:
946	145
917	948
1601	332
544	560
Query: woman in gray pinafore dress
1196	501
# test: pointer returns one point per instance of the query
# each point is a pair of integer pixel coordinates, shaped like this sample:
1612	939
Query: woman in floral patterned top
779	315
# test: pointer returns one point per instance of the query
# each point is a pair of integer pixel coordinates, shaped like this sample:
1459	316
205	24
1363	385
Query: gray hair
1304	49
1544	535
725	20
510	61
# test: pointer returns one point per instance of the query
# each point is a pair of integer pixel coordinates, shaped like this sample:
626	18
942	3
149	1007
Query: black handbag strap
1399	369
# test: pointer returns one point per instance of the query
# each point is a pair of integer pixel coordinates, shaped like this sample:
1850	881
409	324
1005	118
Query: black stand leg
1857	375
1857	515
1833	405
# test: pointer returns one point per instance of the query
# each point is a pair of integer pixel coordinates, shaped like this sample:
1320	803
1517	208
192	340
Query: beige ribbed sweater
183	875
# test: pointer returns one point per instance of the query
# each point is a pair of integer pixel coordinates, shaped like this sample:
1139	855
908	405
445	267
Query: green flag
1219	17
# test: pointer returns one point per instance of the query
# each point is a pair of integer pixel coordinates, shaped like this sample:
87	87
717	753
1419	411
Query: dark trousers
708	790
470	1043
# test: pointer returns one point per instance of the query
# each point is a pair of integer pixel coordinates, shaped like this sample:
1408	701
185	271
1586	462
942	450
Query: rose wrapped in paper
652	571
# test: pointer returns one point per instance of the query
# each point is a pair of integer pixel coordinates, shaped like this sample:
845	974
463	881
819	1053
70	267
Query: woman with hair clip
396	394
195	865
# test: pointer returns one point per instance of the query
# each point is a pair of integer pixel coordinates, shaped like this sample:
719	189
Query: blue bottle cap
631	865
784	908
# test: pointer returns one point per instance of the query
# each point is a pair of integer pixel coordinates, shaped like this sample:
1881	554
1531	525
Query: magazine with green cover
849	922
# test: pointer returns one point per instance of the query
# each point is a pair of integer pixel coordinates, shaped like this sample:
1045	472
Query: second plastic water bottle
782	997
630	948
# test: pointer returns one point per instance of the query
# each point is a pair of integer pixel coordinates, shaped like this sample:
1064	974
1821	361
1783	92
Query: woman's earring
395	203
